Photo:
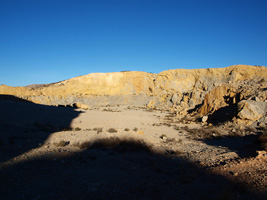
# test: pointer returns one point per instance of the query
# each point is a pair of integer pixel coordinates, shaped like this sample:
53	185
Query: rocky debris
250	171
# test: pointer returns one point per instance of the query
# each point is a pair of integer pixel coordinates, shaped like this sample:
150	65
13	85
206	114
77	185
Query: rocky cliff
204	91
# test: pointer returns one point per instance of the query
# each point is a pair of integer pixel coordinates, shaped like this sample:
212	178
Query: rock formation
200	91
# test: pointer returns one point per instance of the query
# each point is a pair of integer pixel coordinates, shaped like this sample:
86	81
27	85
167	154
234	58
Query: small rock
140	132
205	118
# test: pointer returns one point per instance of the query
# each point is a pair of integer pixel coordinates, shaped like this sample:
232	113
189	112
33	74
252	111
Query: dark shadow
190	111
244	146
103	169
223	114
25	125
115	171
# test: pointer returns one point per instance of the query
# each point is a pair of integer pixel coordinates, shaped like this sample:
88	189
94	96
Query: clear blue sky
44	41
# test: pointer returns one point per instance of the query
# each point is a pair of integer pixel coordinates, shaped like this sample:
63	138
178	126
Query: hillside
178	90
179	134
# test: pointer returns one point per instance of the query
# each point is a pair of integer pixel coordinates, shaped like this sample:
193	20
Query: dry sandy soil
120	153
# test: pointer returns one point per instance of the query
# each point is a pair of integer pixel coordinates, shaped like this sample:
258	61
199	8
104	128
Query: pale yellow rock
140	132
81	106
214	100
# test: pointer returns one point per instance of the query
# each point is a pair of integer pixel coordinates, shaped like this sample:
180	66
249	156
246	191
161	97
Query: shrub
84	145
117	144
62	143
135	129
66	129
112	130
98	129
126	129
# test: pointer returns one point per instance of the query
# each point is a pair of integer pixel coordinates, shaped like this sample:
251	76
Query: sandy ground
43	156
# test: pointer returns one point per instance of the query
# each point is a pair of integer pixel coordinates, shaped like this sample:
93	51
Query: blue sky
44	41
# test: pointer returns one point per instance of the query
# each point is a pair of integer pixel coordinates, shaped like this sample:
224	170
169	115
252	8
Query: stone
251	110
205	119
140	132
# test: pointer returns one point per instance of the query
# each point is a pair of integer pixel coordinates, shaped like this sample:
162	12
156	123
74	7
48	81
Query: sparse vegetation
110	110
170	140
135	129
83	145
126	129
151	109
62	143
112	130
117	144
77	129
66	129
211	132
98	129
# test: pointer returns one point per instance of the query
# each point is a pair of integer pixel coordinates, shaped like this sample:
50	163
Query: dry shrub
110	110
112	130
117	144
98	129
135	129
203	133
66	129
62	143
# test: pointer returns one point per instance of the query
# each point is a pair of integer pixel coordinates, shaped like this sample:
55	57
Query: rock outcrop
251	111
180	90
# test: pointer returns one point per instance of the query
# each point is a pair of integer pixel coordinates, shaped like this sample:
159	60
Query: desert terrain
179	134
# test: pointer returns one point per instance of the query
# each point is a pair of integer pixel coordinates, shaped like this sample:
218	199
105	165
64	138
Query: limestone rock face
178	90
214	100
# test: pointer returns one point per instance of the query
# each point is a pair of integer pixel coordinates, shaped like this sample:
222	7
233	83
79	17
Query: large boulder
250	111
214	100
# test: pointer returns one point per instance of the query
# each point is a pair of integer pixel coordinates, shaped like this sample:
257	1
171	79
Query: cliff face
178	89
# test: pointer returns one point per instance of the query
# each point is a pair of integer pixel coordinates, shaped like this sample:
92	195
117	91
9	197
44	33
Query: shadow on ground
103	170
25	125
115	172
244	146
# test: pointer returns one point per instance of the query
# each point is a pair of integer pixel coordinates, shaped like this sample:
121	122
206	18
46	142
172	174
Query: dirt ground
118	152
